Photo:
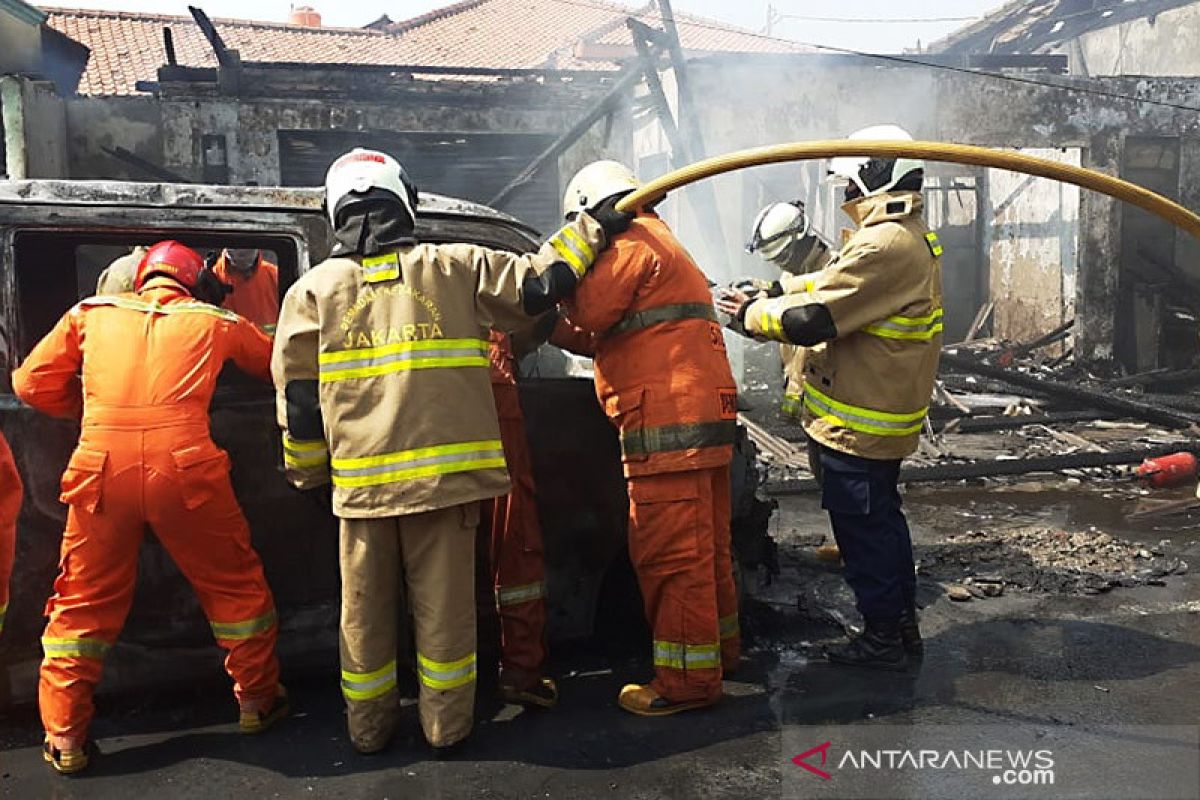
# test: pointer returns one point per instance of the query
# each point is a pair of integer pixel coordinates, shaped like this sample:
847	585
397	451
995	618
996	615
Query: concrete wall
1032	231
764	100
20	45
98	124
35	129
1164	44
251	124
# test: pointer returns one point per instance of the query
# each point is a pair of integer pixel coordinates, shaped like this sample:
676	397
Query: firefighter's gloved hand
733	304
612	221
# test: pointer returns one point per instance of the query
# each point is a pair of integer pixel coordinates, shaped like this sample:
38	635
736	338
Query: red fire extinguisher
1168	472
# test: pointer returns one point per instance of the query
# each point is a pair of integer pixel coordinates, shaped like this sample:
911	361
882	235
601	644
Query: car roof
133	194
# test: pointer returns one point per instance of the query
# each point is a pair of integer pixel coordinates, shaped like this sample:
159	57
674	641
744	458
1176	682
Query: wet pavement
1046	663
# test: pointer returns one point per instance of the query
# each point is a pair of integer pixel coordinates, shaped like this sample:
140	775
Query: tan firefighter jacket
397	348
867	391
792	355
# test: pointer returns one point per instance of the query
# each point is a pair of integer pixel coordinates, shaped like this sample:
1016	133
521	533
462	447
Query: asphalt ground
1052	666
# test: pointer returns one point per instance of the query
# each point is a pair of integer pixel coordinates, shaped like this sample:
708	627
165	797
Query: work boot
879	647
910	633
543	693
69	761
645	702
254	722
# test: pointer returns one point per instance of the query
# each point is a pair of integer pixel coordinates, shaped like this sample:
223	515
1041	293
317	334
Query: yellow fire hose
1169	210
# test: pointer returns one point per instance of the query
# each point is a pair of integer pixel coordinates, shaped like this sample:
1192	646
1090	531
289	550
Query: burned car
57	237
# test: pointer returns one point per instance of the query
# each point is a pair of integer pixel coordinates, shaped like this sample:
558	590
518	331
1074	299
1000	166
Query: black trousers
868	522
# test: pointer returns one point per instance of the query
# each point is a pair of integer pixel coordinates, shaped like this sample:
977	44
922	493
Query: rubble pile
986	563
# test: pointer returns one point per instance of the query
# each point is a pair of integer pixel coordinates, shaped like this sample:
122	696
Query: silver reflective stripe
862	420
646	318
686	656
444	675
429	461
672	438
408	355
515	595
369	685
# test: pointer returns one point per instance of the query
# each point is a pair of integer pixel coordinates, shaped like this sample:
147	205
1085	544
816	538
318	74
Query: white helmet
360	171
595	183
876	175
777	228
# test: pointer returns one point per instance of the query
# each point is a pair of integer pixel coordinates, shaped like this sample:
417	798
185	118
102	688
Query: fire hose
1141	197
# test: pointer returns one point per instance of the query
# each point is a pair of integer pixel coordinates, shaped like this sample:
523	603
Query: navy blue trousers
864	508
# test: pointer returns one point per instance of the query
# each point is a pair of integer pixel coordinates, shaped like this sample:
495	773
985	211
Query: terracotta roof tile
127	47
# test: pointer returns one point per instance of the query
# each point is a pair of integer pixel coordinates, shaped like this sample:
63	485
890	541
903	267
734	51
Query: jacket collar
886	207
165	287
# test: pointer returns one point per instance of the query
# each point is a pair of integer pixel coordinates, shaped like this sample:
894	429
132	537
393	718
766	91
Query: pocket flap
623	402
90	461
664	489
193	455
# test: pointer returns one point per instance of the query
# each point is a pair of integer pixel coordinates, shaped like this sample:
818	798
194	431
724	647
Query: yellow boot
644	701
253	722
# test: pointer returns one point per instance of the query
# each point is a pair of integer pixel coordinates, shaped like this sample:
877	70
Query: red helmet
170	258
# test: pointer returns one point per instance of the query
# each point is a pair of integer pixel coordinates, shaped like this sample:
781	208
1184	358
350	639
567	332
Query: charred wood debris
1002	409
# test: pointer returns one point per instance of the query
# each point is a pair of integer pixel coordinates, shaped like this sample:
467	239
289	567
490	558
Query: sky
889	35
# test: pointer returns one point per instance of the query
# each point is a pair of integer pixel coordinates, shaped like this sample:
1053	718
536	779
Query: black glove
321	495
611	220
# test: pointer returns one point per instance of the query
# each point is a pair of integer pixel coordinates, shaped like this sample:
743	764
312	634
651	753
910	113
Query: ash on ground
1043	560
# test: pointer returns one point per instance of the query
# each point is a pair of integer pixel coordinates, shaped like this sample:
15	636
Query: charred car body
57	236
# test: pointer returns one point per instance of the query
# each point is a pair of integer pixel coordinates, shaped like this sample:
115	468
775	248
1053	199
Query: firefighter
119	276
512	538
663	378
381	367
141	368
254	285
873	322
783	236
11	491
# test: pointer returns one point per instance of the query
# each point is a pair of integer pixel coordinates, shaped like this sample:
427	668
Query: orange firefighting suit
663	377
142	369
10	506
256	298
514	536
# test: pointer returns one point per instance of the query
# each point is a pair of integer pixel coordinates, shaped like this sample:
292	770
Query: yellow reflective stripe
427	345
381	268
369	685
418	463
303	453
912	328
687	656
157	308
935	245
515	595
443	675
402	356
235	631
574	250
863	420
3	614
269	329
729	626
791	404
54	647
772	321
581	245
